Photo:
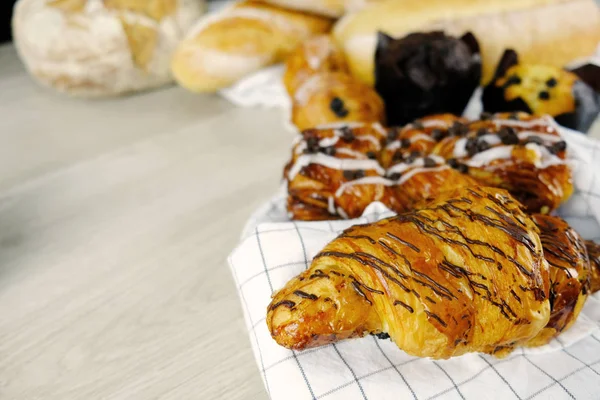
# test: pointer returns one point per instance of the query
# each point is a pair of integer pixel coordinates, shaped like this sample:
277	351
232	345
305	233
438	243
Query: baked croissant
517	152
594	256
464	274
569	266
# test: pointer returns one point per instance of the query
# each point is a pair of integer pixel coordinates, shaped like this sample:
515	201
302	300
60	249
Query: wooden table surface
116	218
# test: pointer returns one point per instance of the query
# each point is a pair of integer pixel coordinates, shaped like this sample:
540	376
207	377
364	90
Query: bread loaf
329	8
552	32
223	48
100	48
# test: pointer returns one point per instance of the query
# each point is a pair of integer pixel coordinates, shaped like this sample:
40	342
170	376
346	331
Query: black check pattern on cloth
273	250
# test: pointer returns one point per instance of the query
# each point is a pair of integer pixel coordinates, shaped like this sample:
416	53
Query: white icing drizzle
544	136
460	148
370	138
419	170
436	123
429	123
350	152
419	162
421	136
329	141
331	205
334	163
544	158
493	139
545	120
342	213
367	180
377	126
301	147
487	156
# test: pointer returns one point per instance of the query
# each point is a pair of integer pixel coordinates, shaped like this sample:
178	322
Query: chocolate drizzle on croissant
465	273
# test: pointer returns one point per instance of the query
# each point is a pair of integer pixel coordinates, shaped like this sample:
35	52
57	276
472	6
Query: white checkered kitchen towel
274	249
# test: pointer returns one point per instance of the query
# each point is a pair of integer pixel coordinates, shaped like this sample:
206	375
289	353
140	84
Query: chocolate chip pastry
323	91
467	272
336	171
518	152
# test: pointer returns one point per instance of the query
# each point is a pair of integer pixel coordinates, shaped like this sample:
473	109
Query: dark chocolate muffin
426	73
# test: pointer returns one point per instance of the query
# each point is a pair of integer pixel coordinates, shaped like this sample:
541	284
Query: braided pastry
518	152
336	171
404	167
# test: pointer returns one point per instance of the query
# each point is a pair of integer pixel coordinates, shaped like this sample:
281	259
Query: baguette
223	48
329	8
552	32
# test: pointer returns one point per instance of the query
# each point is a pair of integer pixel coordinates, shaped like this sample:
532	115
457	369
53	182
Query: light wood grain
116	218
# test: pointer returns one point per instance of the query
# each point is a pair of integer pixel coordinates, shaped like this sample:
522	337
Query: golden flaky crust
335	97
594	256
321	89
338	170
517	152
312	187
466	273
315	55
533	80
552	32
223	48
569	266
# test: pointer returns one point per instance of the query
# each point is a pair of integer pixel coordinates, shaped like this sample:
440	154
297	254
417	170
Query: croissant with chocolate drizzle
570	275
594	256
466	273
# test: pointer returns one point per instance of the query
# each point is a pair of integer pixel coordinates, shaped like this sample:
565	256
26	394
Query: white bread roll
552	32
329	8
239	40
97	48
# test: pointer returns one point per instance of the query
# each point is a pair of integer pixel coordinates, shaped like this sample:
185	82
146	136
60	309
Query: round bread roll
95	48
335	97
